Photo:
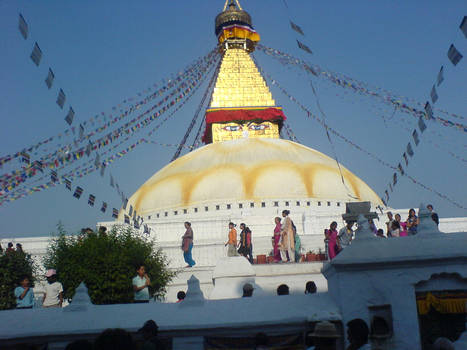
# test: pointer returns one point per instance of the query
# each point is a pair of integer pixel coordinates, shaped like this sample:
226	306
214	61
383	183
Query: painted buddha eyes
253	127
232	128
258	127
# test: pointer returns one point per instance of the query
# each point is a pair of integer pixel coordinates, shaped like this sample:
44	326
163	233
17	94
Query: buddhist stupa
245	170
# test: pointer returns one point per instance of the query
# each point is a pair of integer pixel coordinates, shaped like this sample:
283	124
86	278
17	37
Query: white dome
248	169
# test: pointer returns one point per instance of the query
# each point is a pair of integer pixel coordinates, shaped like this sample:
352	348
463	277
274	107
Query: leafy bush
13	266
106	263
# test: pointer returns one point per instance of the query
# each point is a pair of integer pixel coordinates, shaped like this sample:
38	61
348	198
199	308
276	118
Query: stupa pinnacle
241	103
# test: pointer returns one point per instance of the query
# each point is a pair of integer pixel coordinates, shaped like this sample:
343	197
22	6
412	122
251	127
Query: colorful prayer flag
78	192
68	184
454	55
23	27
296	28
428	111
463	26
70	116
415	137
36	54
394	179
53	176
127	219
401	169
440	77
91	200
434	95
387	195
50	79
25	158
88	149
81	131
104	207
114	213
421	124
304	47
38	165
406	159
309	69
409	149
61	98
130	212
125	203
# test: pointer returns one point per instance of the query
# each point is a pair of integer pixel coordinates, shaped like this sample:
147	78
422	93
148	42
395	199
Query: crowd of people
10	249
285	241
336	241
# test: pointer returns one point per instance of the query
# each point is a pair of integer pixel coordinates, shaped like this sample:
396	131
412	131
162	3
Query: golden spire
241	103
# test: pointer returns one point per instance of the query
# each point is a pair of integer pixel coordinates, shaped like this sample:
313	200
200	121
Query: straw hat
325	329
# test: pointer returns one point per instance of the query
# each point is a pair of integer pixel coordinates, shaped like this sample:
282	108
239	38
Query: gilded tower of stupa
241	104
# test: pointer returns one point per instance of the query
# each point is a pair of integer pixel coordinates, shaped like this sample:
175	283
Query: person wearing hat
324	337
53	296
247	290
232	242
149	332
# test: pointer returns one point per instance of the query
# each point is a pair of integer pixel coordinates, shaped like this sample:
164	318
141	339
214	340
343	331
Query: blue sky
103	52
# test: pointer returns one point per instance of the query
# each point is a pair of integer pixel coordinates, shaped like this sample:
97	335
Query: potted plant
315	256
261	258
321	254
270	258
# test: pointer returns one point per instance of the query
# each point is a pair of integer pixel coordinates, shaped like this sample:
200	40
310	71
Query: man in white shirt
345	235
140	285
53	296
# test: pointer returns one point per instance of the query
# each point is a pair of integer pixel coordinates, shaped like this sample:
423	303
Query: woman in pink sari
333	242
277	238
403	226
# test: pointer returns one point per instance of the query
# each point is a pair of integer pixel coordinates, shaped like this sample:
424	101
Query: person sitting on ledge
310	287
247	290
149	331
380	233
283	289
114	339
180	296
357	335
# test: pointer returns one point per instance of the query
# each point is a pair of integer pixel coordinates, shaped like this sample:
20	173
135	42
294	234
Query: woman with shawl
287	244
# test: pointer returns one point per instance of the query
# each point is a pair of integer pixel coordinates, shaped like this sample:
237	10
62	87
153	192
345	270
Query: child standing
53	291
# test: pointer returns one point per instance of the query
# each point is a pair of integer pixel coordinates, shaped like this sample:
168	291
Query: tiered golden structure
240	94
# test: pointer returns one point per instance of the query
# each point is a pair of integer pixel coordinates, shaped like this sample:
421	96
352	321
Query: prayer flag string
356	146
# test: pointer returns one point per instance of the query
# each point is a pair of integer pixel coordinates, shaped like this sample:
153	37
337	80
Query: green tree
106	263
13	266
